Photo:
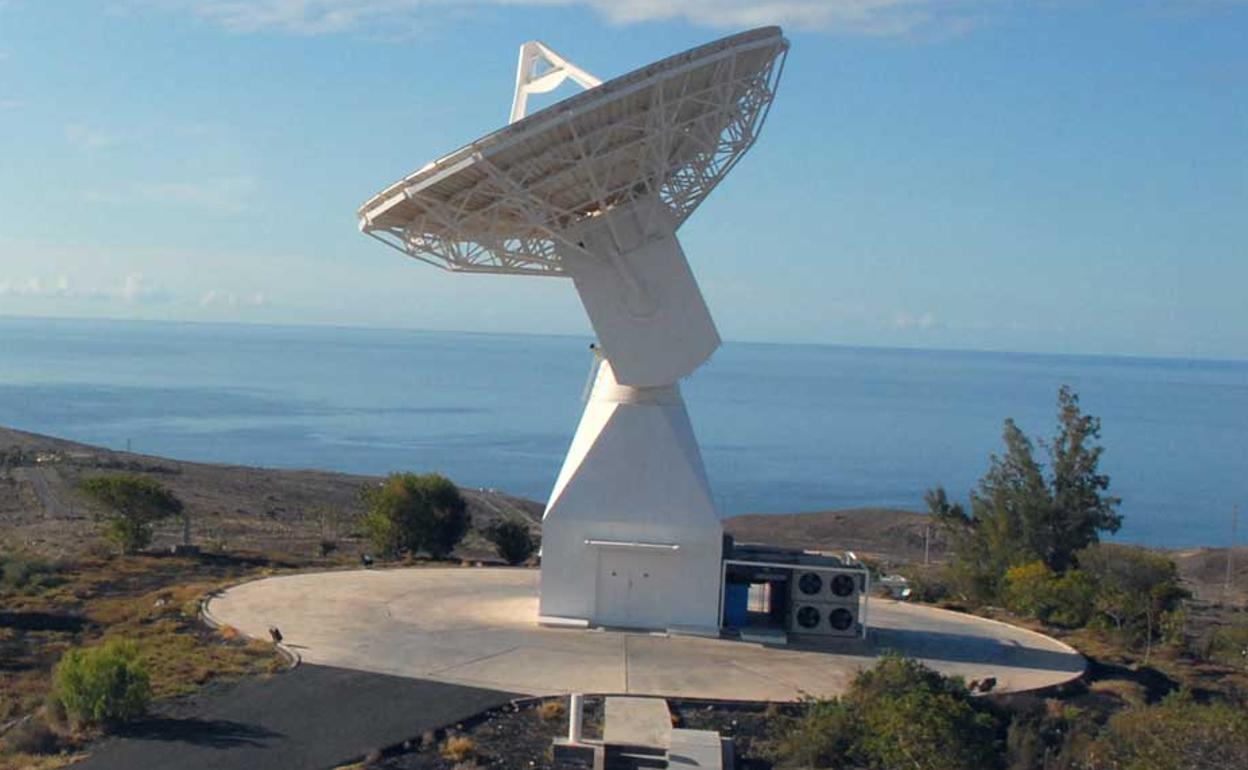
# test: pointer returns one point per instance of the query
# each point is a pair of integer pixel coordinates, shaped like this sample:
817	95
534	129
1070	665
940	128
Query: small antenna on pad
530	81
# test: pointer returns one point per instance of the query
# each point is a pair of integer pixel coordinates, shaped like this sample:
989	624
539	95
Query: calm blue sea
783	427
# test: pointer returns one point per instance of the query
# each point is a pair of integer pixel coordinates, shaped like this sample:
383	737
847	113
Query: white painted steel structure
594	188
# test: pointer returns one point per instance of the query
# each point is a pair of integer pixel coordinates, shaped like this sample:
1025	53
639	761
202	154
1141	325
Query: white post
723	591
574	718
866	600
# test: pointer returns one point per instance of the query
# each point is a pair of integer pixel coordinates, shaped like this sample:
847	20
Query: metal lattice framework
663	136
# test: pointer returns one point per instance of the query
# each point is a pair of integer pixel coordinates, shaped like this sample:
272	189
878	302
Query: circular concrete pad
478	627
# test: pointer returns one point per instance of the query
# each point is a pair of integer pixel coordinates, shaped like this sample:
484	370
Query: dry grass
1129	692
459	748
38	762
551	710
152	601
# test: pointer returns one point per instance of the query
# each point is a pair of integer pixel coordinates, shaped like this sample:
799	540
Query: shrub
825	736
1229	643
102	685
898	714
459	748
1074	599
1129	692
512	539
1034	590
912	716
19	572
409	512
1030	589
1134	587
1177	733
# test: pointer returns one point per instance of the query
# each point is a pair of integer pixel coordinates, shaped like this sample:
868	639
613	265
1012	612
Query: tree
512	539
409	513
1080	509
134	503
1017	515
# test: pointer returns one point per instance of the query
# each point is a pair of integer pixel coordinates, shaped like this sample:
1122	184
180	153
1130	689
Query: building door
625	595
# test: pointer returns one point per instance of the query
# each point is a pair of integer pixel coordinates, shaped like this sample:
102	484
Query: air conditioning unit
825	604
824	618
843	587
810	586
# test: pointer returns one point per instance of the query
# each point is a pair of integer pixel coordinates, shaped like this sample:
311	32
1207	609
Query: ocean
783	428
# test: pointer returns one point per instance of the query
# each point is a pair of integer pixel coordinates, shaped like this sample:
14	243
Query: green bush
1228	644
898	714
102	685
19	572
824	737
1030	589
512	539
409	513
1074	599
1176	734
1034	590
914	717
1135	588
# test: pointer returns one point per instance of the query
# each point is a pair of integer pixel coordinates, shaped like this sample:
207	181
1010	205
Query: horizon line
571	335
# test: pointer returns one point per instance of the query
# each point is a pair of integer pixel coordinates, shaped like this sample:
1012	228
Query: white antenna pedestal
630	536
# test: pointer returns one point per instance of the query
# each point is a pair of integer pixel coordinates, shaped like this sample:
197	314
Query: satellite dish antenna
594	188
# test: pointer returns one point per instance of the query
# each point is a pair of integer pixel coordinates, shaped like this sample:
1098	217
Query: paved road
311	717
478	627
53	508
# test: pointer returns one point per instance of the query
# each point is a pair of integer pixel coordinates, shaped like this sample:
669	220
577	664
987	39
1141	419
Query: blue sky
1036	176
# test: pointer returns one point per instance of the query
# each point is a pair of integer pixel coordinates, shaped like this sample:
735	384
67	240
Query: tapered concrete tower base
630	536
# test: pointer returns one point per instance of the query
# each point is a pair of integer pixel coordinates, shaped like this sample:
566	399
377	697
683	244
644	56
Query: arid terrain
295	511
229	507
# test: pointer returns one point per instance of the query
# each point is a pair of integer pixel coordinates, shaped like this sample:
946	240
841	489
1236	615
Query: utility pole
927	544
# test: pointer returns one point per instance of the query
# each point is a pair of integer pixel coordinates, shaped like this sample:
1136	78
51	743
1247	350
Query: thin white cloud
907	321
137	290
85	137
35	286
219	298
224	194
857	17
133	289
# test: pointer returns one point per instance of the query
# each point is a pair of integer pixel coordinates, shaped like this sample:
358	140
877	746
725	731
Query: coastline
238	507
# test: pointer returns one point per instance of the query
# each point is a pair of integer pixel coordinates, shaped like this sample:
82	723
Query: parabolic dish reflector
512	200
